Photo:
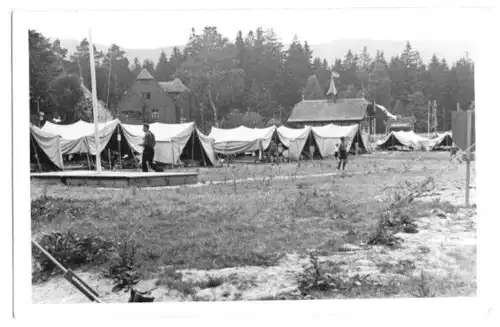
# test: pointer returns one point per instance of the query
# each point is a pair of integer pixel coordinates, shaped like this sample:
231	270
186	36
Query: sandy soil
445	247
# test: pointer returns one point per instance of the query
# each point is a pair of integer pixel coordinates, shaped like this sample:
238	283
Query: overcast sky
152	29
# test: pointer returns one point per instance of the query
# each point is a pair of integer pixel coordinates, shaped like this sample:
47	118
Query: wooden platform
117	179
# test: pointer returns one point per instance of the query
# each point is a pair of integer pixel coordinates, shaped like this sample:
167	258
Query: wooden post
172	145
192	146
468	157
94	104
88	161
428	119
70	276
203	155
36	155
109	158
119	138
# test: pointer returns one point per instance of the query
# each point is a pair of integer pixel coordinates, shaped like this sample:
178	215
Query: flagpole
94	104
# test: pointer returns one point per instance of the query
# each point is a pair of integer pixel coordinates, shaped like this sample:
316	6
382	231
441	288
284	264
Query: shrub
383	237
422	286
70	249
312	278
122	268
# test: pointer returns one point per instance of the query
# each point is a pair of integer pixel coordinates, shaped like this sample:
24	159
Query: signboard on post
459	129
464	137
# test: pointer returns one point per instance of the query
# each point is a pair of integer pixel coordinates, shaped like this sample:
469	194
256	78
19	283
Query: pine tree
313	89
379	85
348	60
240	46
297	68
149	65
176	59
115	74
137	66
162	70
308	54
320	70
365	60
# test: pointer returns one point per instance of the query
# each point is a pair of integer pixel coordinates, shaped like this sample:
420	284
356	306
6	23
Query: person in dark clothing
148	153
336	152
280	153
342	153
272	151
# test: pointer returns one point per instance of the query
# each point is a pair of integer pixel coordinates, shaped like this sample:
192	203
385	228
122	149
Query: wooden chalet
343	112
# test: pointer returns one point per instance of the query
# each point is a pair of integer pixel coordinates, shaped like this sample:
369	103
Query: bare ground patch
204	244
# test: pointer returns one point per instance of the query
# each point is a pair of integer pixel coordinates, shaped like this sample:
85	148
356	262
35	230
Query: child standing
342	154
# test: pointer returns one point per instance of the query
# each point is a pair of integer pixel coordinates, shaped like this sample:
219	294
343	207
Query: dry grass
232	224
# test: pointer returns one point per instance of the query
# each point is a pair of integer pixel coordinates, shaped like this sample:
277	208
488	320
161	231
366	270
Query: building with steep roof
148	100
343	112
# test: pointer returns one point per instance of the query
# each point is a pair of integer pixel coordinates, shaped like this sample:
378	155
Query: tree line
252	76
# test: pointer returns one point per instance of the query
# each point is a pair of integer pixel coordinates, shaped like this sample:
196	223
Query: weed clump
422	286
314	280
70	249
122	268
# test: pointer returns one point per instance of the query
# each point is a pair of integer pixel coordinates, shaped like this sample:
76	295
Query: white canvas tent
366	141
442	140
171	141
404	139
294	139
241	139
79	137
328	136
49	144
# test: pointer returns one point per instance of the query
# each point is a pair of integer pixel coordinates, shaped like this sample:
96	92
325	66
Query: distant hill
142	54
451	50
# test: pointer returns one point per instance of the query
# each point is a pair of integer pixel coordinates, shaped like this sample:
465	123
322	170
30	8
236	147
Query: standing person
148	153
312	149
342	153
272	151
280	152
336	154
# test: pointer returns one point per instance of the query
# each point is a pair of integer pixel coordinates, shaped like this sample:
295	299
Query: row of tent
177	142
411	140
295	141
173	141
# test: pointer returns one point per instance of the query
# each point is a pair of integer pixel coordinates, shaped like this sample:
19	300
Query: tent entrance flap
193	151
358	139
40	158
116	148
306	150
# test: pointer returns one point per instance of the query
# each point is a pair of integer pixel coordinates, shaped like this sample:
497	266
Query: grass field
253	223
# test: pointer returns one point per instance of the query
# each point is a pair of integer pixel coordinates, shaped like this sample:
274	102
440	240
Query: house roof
144	75
326	110
175	86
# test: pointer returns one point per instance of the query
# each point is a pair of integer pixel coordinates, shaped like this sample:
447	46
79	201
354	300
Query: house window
146	95
155	114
